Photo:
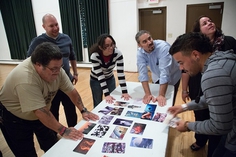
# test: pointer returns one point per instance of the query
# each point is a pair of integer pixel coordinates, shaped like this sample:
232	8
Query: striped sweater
219	95
102	71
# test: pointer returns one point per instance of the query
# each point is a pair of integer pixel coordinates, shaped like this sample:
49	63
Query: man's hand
181	126
148	98
72	133
161	100
90	116
109	99
175	110
126	96
75	79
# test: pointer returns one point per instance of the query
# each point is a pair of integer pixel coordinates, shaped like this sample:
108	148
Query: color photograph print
134	106
133	114
106	110
121	103
118	132
173	122
105	119
84	146
87	127
117	111
138	128
100	131
123	122
159	117
113	147
141	142
149	111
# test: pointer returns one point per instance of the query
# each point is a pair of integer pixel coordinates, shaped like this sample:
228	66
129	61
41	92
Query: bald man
64	42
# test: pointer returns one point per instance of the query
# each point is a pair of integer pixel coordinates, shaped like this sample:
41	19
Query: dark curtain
19	24
96	19
70	19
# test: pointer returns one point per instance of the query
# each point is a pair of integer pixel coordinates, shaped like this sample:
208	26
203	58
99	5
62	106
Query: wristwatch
83	110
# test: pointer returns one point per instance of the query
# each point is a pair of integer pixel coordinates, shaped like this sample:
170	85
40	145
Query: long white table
156	131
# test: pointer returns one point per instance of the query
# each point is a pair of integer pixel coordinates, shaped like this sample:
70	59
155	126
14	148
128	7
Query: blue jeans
221	151
19	134
97	89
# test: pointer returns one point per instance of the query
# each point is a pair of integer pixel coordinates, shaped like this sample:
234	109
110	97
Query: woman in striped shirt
104	57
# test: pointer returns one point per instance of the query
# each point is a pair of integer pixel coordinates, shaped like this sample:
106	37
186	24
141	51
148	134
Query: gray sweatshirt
219	95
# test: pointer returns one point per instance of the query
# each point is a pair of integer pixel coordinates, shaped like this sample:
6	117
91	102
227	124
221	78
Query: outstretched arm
46	117
148	95
76	99
162	92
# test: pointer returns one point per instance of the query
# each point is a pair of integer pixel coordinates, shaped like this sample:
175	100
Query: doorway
154	21
213	10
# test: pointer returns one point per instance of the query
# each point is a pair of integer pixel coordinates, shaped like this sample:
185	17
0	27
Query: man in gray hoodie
193	52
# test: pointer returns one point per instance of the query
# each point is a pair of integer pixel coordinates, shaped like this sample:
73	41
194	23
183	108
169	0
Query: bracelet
76	74
185	92
63	130
185	125
184	107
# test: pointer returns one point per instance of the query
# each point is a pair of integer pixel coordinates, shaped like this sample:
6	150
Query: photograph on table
87	127
133	114
106	110
134	106
138	128
123	122
141	142
100	131
117	111
149	111
105	119
173	122
118	132
84	146
159	117
113	147
121	103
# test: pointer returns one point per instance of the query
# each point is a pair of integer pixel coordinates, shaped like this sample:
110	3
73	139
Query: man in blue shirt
155	55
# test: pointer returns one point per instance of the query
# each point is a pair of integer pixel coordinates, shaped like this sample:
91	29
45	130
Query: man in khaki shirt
26	98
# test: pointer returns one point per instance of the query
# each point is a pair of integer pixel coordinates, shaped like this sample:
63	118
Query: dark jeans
201	115
18	134
221	151
97	89
202	139
69	108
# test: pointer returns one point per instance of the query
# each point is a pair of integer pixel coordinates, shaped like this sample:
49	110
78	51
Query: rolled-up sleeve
165	63
142	66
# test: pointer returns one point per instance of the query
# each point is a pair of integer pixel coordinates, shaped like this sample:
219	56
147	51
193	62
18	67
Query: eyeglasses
108	46
54	70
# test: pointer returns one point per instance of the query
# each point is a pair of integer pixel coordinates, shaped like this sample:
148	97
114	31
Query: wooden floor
178	143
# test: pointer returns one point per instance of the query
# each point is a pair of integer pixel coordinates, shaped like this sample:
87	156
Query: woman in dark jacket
191	85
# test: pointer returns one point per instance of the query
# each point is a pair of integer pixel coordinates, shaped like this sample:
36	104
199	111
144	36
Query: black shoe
194	147
0	153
